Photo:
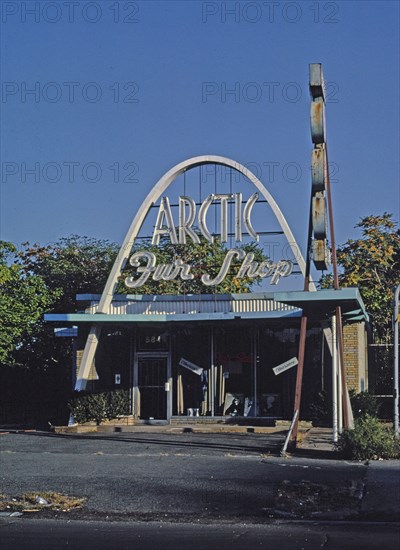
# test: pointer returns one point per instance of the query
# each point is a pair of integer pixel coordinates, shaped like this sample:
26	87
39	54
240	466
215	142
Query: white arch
163	183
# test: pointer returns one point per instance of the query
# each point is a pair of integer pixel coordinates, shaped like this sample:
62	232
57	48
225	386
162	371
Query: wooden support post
299	380
302	343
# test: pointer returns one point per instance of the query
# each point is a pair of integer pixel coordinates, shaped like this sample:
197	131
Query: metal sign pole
320	202
334	382
396	361
339	396
347	412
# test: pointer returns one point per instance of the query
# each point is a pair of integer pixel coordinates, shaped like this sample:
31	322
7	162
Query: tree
71	266
372	263
42	279
36	280
24	298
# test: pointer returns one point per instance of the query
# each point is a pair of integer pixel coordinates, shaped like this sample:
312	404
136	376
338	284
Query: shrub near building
369	440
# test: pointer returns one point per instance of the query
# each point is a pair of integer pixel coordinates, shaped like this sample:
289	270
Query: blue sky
125	90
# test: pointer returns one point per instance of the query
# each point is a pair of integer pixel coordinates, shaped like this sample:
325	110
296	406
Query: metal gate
152	377
380	377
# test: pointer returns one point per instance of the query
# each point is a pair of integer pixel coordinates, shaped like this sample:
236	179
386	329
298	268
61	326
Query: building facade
211	355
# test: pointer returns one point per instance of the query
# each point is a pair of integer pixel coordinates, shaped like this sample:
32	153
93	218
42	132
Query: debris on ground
308	499
36	502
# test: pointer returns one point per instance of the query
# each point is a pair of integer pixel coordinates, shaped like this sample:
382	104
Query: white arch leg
88	357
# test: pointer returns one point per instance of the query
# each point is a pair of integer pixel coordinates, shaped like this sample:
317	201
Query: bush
118	403
320	408
99	406
364	403
79	408
368	440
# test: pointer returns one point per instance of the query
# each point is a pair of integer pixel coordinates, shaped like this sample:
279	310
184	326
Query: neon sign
145	261
187	212
187	216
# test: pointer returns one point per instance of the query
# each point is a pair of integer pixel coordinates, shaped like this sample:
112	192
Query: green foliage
372	263
43	279
118	403
203	258
71	266
319	409
369	440
99	406
79	408
24	297
364	403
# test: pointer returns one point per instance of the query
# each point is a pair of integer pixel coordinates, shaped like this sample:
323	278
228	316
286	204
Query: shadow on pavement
321	454
269	443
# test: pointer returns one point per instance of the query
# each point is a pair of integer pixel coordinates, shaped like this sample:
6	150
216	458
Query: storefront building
221	355
204	354
212	356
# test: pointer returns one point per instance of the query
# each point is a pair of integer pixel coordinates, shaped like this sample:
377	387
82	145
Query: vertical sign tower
317	247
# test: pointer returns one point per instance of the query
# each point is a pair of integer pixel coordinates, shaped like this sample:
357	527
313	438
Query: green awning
322	303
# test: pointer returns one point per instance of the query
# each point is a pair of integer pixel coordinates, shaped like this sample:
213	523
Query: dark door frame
168	382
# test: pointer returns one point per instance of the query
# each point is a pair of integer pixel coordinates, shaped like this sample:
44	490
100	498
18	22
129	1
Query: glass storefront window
227	370
235	371
218	385
191	367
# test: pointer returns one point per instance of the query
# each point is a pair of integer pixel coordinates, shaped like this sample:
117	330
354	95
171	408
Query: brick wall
355	356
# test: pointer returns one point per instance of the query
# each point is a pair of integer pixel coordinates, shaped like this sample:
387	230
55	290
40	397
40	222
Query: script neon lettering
178	268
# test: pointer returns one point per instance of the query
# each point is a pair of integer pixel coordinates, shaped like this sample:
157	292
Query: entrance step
222	420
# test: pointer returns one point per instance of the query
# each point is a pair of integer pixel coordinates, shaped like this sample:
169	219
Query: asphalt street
158	491
183	475
50	534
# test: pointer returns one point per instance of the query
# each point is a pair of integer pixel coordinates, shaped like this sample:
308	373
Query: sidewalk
182	427
380	499
313	442
316	443
382	491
